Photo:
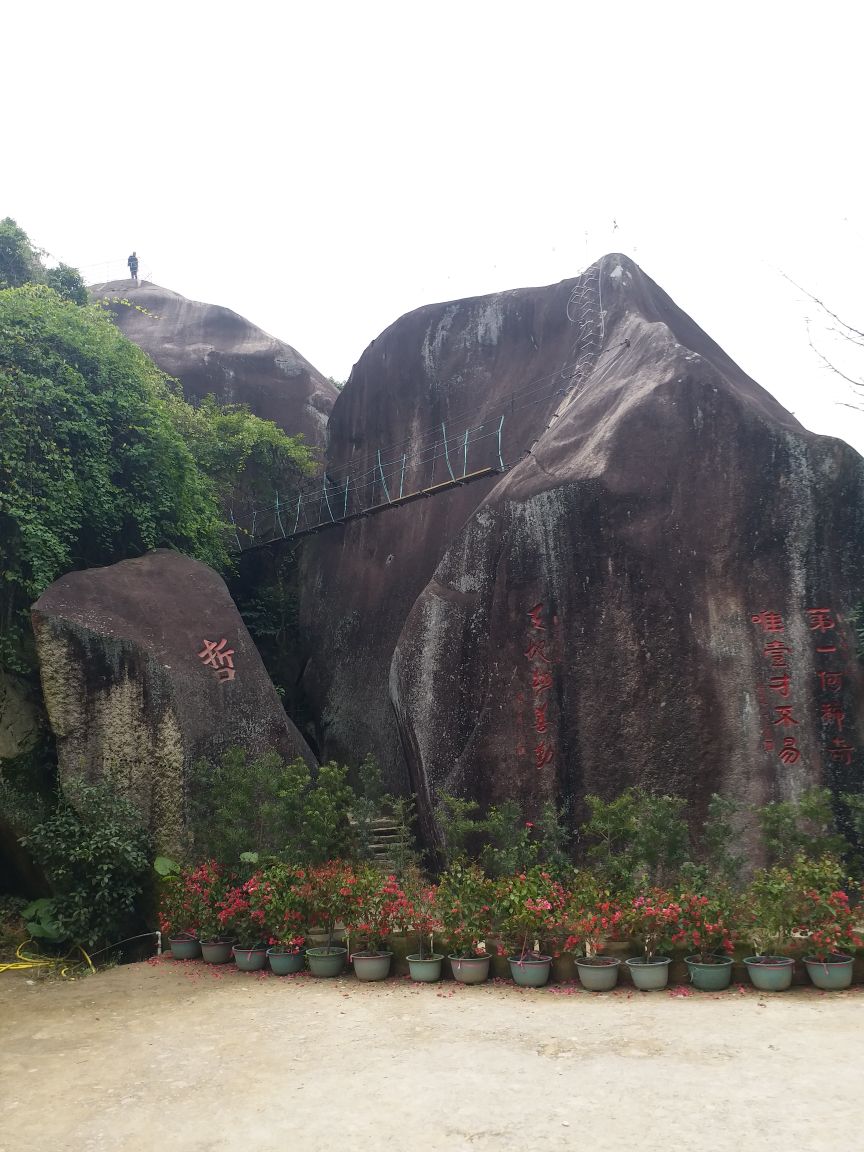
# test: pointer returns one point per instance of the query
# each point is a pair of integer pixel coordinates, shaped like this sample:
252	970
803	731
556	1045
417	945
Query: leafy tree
240	804
326	830
720	864
92	466
101	459
509	846
636	838
258	807
803	827
22	263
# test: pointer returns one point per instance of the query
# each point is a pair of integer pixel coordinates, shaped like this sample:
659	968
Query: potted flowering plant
179	909
375	908
243	915
826	921
465	906
769	908
652	917
705	924
207	887
529	906
281	896
329	892
419	916
591	916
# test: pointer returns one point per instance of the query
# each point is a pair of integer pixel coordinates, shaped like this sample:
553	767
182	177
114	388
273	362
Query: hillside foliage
101	458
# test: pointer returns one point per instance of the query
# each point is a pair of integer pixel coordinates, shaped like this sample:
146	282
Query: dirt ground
194	1059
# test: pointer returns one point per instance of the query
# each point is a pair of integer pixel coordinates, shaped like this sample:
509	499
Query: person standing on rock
133	266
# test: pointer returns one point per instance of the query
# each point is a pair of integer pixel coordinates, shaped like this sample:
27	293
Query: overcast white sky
323	169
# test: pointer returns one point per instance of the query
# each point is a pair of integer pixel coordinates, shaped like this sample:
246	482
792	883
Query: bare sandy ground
184	1058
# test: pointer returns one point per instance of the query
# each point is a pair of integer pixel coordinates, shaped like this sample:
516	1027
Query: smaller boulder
147	668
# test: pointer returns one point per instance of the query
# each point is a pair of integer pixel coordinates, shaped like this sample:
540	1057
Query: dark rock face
146	668
213	351
659	592
453	363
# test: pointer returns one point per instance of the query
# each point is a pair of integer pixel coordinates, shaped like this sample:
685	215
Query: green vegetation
640	839
101	458
96	856
22	263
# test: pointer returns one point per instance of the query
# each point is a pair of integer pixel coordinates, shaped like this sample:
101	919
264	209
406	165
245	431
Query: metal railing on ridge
440	460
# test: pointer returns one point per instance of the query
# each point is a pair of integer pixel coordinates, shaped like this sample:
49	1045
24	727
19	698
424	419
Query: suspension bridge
440	458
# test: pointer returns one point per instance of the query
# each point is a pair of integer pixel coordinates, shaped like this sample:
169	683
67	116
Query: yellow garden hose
23	960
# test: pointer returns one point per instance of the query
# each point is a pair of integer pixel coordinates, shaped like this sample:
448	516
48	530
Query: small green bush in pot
465	896
591	916
653	918
370	921
769	914
706	924
529	908
420	918
330	891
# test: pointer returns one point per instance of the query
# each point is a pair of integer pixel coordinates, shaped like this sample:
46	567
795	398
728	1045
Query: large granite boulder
146	668
658	591
213	351
452	364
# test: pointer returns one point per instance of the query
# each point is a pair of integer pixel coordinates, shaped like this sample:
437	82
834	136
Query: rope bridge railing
451	460
438	459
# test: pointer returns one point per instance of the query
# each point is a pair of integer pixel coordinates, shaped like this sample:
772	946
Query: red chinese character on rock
536	651
769	621
535	613
768	745
841	750
789	753
830	681
832	714
540	681
820	619
543	754
780	684
225	674
776	651
540	717
215	656
784	714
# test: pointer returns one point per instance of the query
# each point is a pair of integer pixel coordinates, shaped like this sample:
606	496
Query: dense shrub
95	855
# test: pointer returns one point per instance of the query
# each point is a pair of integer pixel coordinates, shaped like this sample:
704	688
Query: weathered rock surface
606	613
146	668
456	363
213	351
20	716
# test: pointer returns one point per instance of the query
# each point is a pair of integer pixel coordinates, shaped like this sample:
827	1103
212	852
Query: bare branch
846	336
833	367
849	328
